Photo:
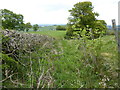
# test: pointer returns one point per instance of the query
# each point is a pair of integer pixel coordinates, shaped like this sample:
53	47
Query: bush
60	27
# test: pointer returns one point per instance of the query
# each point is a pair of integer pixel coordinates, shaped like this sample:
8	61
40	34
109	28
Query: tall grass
65	64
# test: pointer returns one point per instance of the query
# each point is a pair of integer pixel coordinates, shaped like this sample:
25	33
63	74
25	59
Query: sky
56	11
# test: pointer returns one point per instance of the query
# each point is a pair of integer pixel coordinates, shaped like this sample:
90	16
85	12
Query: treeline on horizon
13	21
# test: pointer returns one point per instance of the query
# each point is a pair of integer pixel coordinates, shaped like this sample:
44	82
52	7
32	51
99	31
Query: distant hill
50	24
44	25
109	27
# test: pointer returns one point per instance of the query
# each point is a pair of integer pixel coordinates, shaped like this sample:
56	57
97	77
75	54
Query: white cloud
56	11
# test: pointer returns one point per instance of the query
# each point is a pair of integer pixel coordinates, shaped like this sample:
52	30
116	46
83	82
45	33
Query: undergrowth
66	64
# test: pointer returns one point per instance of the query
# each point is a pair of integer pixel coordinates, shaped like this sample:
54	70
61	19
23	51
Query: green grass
73	59
108	48
55	34
68	64
110	32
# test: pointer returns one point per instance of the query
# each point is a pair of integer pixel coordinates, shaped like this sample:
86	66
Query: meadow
75	56
51	33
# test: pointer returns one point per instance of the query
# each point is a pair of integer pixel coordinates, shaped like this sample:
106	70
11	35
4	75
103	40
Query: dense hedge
22	54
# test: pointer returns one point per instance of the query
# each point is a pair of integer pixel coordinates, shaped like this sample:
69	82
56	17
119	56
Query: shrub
60	27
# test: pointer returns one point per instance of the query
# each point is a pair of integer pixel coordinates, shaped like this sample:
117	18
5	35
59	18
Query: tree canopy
35	27
82	16
12	20
28	26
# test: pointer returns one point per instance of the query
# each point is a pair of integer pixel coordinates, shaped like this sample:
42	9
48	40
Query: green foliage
82	16
80	63
8	62
35	27
93	55
99	28
82	13
83	64
60	27
28	26
69	32
12	20
63	63
25	66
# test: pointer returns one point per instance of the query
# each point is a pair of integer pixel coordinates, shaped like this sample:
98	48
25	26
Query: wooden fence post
117	33
0	49
115	28
119	44
119	27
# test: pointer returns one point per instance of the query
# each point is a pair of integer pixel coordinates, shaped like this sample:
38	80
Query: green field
52	33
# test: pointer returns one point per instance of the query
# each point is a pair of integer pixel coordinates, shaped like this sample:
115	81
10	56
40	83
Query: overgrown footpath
31	61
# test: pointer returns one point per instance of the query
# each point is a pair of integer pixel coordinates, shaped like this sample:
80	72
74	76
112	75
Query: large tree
82	16
12	20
